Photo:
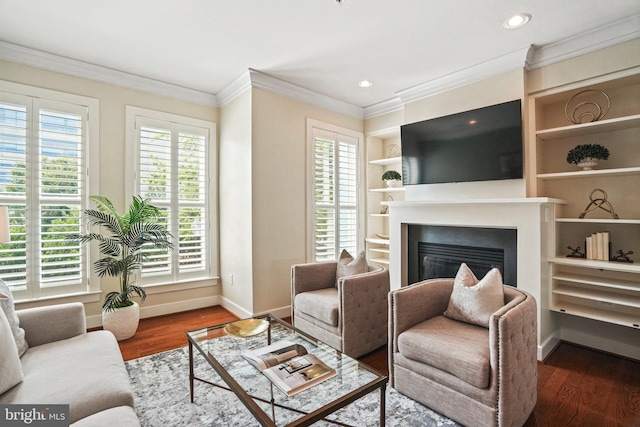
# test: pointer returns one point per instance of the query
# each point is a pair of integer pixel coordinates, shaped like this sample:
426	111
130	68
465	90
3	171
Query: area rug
161	391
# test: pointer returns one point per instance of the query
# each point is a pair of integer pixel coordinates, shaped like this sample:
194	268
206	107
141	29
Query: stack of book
598	246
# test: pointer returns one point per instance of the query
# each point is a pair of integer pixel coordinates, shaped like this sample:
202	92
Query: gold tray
247	327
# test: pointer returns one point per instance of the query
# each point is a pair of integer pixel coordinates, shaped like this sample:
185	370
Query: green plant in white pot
121	250
586	156
392	178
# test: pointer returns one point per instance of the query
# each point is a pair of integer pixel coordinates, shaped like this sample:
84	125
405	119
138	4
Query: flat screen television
477	145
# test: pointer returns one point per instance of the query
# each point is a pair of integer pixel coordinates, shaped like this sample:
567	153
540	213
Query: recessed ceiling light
517	20
365	83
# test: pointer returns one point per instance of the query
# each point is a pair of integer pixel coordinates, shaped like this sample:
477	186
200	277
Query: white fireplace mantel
533	218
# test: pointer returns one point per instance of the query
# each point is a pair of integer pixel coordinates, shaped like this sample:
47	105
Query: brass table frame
249	401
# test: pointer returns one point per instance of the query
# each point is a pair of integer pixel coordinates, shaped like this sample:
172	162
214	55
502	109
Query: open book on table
289	366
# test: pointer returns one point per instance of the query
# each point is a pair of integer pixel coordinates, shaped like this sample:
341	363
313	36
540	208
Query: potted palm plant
121	250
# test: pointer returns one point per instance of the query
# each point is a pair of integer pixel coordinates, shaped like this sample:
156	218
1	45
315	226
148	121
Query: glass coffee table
269	405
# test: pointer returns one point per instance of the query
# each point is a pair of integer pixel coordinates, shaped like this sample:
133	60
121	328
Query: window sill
159	288
83	297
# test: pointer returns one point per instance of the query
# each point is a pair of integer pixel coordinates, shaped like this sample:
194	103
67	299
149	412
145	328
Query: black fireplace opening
438	251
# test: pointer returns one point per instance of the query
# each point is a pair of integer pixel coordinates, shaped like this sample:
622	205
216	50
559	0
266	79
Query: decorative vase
122	322
588	164
392	182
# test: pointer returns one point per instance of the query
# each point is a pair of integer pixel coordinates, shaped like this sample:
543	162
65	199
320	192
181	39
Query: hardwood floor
576	386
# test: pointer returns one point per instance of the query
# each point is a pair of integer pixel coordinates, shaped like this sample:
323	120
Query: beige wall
113	100
235	181
279	192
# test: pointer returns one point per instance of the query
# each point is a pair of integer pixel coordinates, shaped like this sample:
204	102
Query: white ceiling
316	44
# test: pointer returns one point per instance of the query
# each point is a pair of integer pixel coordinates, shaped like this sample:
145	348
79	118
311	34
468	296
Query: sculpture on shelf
585	107
622	256
385	208
600	202
575	253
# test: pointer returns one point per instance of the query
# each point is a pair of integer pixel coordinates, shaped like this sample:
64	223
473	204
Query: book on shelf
289	366
598	246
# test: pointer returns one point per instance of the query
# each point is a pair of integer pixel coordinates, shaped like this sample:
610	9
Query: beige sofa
65	364
477	376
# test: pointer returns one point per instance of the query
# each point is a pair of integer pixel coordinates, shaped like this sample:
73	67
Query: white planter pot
392	182
588	164
122	322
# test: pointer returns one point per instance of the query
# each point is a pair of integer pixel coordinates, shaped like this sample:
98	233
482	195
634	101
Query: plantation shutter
335	175
43	176
173	174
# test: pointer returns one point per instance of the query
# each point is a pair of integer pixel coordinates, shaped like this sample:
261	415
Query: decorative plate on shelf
392	150
383	236
247	327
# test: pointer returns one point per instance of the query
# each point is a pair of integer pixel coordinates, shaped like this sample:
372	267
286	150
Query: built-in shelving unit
603	290
382	155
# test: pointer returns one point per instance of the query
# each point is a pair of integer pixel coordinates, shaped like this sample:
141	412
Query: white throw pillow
10	366
474	301
6	305
348	266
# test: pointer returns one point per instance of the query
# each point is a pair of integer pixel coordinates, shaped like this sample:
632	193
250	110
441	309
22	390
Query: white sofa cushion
86	371
10	367
6	304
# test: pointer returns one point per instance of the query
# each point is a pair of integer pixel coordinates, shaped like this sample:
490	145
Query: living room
260	222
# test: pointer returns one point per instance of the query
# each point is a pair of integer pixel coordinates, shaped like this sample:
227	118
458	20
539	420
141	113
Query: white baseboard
279	312
243	313
161	309
545	349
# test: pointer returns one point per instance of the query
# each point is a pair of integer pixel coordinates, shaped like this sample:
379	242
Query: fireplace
438	251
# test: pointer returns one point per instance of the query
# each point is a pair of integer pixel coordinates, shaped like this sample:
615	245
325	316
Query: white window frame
211	274
88	289
312	126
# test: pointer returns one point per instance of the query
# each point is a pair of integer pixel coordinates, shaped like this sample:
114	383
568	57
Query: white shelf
599	220
605	291
590	174
380	215
380	250
606	125
377	241
609	316
387	190
598	265
606	282
598	296
386	162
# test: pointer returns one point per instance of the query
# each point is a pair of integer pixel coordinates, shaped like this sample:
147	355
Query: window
333	191
174	163
44	181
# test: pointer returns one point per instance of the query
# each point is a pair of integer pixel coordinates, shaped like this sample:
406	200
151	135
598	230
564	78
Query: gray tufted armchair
474	375
350	315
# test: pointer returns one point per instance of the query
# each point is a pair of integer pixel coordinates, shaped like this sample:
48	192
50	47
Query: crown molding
475	73
384	107
590	41
260	80
60	64
299	93
236	87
